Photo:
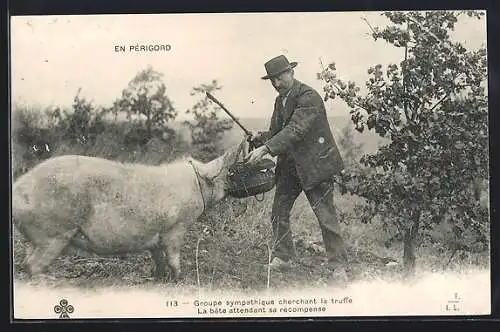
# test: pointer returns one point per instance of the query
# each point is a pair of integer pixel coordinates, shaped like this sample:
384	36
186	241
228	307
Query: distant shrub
82	124
38	134
33	138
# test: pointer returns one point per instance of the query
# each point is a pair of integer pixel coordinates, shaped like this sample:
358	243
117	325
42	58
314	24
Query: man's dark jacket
301	132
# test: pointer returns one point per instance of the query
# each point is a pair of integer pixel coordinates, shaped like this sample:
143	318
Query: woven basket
247	180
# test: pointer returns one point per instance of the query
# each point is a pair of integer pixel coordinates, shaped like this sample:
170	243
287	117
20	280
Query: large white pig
109	208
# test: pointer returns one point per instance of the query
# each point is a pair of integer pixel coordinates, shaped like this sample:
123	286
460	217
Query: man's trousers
320	198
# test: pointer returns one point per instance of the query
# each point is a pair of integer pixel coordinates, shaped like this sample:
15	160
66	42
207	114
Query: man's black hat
277	65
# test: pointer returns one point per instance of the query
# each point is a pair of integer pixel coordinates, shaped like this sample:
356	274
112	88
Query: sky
53	56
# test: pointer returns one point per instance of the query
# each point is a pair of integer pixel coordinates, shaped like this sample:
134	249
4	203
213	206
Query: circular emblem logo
64	309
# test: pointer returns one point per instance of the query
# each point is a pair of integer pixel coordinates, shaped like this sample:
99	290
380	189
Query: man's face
283	82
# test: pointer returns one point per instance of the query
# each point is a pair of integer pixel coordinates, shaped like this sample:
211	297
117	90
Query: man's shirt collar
284	98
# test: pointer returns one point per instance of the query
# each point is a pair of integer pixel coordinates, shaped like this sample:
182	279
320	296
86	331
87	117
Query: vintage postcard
250	165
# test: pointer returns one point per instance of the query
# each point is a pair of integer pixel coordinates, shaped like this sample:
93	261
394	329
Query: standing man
308	158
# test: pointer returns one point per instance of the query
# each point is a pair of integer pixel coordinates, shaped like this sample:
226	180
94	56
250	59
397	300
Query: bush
33	138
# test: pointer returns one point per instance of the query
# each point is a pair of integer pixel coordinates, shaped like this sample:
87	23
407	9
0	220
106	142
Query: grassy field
233	254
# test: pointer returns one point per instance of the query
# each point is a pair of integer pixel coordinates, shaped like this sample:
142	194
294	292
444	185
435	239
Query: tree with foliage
433	108
207	128
80	125
145	101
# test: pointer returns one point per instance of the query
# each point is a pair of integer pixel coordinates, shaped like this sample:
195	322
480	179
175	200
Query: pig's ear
208	171
215	167
198	166
235	153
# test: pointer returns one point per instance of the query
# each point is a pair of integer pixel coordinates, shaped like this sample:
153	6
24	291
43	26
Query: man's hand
255	138
255	135
257	154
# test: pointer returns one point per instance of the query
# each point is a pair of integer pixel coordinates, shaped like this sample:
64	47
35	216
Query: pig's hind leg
46	251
